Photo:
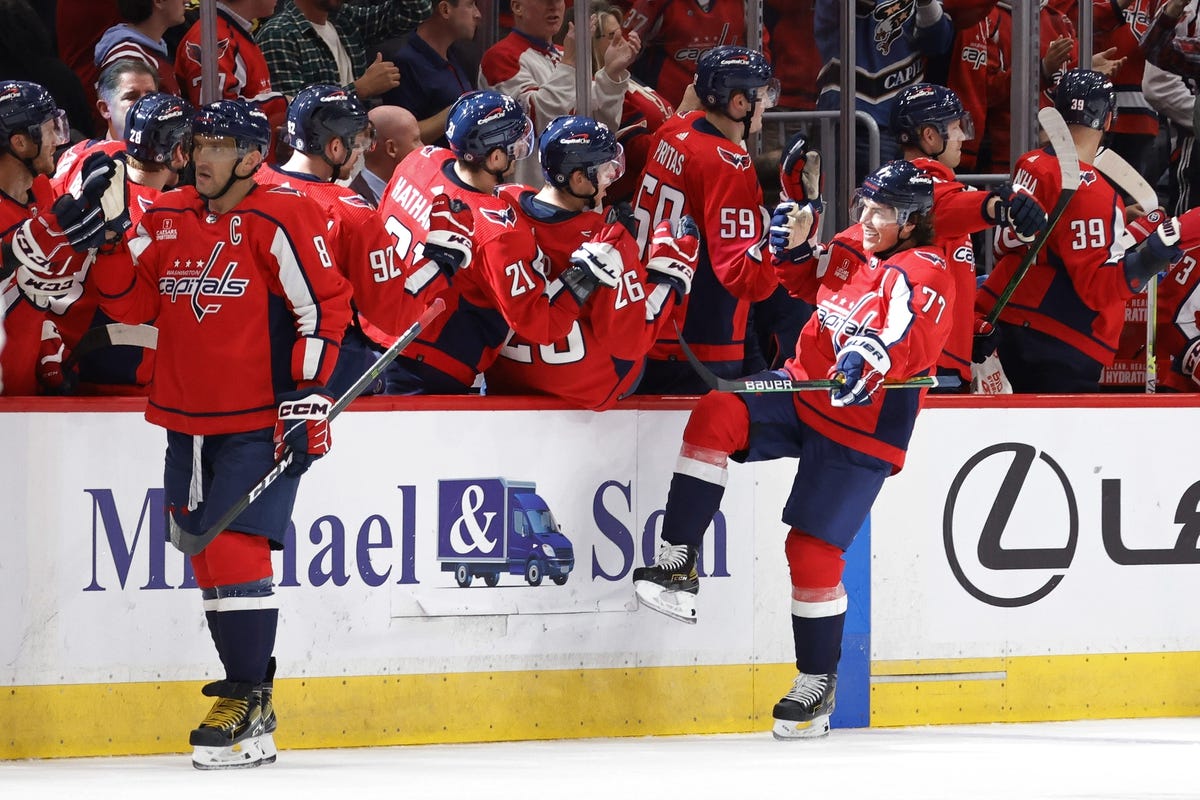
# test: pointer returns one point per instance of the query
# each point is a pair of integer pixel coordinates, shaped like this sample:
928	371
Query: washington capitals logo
845	317
501	216
193	50
206	284
355	200
1087	177
739	160
890	18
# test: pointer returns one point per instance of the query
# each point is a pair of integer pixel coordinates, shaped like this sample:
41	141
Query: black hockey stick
1068	163
190	544
759	385
114	333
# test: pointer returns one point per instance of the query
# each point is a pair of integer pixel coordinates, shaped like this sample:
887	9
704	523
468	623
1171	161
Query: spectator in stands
25	55
79	24
644	110
140	38
241	68
1119	24
433	75
675	33
890	52
792	47
540	75
1170	82
325	41
397	133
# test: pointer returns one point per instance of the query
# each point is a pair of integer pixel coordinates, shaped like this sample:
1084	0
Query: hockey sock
819	602
718	426
247	618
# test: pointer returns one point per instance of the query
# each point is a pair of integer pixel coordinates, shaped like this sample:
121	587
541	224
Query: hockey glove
674	251
800	172
622	214
303	427
792	226
594	264
1138	229
1017	209
861	366
451	226
1155	253
51	376
1188	361
987	339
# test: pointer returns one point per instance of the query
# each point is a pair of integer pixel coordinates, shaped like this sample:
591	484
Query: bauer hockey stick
1130	181
191	545
759	385
1068	162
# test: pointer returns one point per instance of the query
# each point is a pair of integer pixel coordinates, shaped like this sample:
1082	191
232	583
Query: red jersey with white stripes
905	299
66	173
601	357
362	249
1178	320
248	305
504	287
694	169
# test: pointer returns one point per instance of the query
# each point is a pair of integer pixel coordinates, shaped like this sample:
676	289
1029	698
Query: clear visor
961	129
221	149
364	139
56	130
875	215
523	146
769	95
610	172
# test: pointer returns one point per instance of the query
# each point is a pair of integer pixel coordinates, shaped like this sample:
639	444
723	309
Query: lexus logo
1049	513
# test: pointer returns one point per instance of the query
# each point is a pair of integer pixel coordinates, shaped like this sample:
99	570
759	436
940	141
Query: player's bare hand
1106	62
568	46
379	78
1057	55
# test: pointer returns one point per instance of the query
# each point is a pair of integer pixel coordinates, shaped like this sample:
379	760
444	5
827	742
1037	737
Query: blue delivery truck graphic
492	526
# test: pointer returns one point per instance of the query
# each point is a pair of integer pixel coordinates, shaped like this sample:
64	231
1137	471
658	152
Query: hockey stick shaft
1068	162
1121	173
191	545
114	333
760	385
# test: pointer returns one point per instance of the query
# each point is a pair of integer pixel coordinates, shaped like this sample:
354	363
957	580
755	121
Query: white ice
1145	759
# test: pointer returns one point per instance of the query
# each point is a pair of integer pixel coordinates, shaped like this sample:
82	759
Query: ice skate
804	712
266	705
670	584
228	738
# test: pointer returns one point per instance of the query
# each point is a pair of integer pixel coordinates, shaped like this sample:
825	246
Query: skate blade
266	743
787	730
676	605
242	755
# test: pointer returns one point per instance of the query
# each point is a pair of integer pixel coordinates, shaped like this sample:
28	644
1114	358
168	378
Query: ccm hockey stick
191	545
1068	162
759	385
1130	181
114	333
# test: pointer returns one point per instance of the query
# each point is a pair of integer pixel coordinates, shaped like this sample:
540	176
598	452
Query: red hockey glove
800	172
674	251
451	226
1138	229
1188	361
861	366
986	340
1153	254
303	426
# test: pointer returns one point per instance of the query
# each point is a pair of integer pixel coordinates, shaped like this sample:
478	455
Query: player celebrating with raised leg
887	318
250	311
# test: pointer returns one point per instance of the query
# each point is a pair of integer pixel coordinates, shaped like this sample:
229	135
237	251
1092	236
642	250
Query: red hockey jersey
905	299
248	304
362	249
1076	290
601	357
694	169
1178	321
70	163
505	287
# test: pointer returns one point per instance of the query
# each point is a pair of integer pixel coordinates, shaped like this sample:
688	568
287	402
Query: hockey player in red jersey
886	318
504	286
1063	322
601	357
931	126
699	167
158	133
250	310
48	240
328	131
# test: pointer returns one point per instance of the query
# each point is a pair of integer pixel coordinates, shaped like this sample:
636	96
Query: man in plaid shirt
325	41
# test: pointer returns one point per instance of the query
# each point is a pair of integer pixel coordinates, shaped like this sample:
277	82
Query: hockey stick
1068	162
744	386
114	333
1130	181
191	545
